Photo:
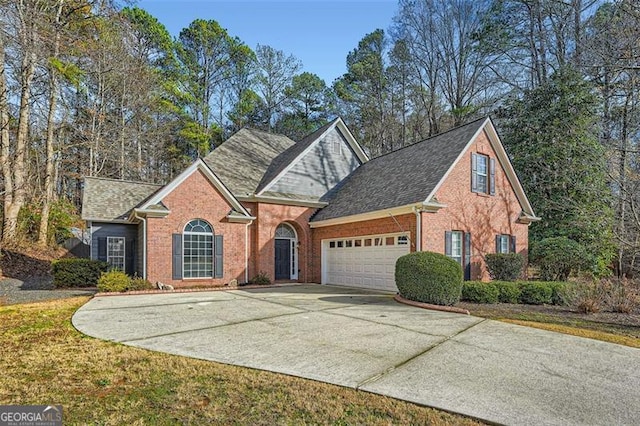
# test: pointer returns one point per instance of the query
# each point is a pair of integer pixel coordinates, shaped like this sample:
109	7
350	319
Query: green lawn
44	360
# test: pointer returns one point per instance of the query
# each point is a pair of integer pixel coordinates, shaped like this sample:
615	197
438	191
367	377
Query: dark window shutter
492	178
177	256
218	250
498	241
447	243
467	256
130	257
513	244
474	172
102	249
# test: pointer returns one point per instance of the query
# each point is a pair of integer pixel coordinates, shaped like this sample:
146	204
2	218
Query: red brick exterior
484	216
195	198
262	231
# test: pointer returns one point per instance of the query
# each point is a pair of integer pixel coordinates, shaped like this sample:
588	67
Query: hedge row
77	272
524	292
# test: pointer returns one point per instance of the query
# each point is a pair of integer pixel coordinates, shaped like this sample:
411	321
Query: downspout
418	213
144	244
246	252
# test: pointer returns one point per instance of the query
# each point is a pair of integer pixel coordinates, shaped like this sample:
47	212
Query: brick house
317	210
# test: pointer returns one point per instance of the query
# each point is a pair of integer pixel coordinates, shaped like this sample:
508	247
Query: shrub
622	296
505	266
558	257
559	292
77	272
261	278
114	281
429	277
508	292
138	283
535	293
479	292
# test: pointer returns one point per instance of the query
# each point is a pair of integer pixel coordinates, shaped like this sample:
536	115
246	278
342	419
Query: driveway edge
452	309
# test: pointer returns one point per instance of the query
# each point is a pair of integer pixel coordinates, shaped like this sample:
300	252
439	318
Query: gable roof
111	199
412	174
287	157
198	165
242	160
291	156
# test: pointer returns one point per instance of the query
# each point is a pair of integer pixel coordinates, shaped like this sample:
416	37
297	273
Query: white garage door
367	262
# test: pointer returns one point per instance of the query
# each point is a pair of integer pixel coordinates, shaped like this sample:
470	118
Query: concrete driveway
486	369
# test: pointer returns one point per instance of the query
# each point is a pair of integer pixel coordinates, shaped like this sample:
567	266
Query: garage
366	262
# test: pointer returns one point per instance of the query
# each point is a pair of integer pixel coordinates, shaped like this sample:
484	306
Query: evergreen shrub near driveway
479	292
77	272
114	281
429	278
504	266
523	292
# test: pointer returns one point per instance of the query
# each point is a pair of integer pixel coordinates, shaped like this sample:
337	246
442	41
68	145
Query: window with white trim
503	243
456	246
197	240
116	252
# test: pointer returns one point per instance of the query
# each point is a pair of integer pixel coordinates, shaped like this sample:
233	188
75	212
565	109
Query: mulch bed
563	314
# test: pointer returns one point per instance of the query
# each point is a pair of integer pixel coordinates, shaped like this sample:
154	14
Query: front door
283	259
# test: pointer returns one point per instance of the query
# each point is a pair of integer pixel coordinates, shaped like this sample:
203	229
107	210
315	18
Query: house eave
148	213
284	201
527	219
239	218
104	220
377	214
432	206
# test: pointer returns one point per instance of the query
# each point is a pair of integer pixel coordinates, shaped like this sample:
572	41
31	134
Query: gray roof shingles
243	159
398	178
111	199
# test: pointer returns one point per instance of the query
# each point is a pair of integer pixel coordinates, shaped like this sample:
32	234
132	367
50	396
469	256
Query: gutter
144	243
418	213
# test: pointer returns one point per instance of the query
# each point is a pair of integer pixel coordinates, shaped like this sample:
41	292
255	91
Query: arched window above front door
285	231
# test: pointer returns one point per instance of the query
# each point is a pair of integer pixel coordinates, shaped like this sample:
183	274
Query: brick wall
195	198
483	215
268	217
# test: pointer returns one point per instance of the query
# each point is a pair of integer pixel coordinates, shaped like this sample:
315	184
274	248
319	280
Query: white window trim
487	184
213	264
124	251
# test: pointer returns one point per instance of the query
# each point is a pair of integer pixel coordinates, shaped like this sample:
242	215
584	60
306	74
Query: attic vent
336	147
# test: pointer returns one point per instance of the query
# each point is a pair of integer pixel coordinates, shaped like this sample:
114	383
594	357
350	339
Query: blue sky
319	33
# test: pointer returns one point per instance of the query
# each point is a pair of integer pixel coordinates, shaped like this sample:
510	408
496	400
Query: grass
44	360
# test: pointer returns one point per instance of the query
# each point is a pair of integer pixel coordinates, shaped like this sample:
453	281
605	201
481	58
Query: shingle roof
287	157
398	178
243	159
111	199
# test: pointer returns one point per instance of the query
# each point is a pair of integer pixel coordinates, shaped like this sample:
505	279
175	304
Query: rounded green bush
504	266
535	293
74	272
508	292
479	292
429	278
558	257
113	281
138	283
